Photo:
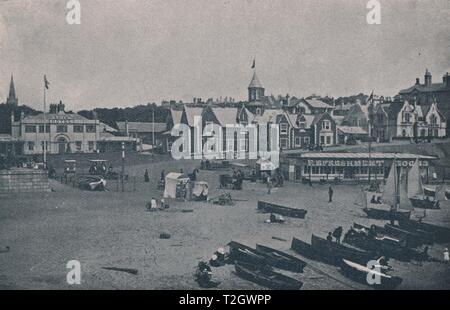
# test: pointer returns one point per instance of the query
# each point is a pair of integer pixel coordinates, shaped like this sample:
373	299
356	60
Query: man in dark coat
330	194
146	177
337	233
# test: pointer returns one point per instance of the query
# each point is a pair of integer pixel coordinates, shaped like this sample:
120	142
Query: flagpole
45	125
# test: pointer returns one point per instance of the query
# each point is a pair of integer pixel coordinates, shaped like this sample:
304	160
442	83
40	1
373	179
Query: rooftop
343	155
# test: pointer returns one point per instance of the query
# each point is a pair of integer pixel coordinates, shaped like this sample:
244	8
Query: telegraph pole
44	147
123	165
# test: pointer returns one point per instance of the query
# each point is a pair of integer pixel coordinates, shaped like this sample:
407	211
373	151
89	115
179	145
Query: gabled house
357	116
404	120
301	128
436	121
324	130
308	106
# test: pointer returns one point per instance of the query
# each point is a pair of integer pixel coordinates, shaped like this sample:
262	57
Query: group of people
154	205
96	169
203	273
337	234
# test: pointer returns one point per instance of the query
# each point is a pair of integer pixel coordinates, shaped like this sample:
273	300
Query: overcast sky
132	52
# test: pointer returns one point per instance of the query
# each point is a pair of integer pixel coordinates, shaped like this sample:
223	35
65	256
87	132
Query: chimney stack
427	78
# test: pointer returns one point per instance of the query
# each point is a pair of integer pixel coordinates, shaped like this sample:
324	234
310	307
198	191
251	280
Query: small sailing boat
416	191
395	196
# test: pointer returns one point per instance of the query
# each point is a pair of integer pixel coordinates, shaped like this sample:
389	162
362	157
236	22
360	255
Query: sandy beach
113	229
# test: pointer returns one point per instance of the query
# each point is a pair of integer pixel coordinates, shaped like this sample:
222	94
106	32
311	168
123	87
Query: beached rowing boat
265	276
438	233
361	273
369	240
329	252
286	211
243	253
281	259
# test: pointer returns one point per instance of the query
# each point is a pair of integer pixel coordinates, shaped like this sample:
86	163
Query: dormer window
258	111
283	128
326	125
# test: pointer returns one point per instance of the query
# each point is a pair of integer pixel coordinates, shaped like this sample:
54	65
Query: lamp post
123	165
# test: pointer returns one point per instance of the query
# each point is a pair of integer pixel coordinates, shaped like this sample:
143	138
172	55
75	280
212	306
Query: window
41	128
61	128
403	133
91	145
433	120
326	125
31	146
78	145
30	128
284	143
283	128
42	145
78	128
328	140
258	111
298	141
407	118
322	140
90	128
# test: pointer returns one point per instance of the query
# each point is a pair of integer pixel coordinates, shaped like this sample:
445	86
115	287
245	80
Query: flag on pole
254	63
46	83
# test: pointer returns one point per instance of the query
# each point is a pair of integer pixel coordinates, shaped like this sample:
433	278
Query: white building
59	132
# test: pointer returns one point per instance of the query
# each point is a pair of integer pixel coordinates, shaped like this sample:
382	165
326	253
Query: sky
126	53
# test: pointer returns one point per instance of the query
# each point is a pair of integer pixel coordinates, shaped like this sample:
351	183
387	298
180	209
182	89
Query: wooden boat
425	203
243	253
384	214
303	248
281	259
412	238
419	197
329	252
380	244
395	205
265	276
267	207
360	273
437	233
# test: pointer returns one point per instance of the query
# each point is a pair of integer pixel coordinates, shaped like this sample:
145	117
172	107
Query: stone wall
20	180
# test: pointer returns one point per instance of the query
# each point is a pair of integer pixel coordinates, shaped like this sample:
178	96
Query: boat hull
267	277
424	204
381	214
280	259
360	274
285	211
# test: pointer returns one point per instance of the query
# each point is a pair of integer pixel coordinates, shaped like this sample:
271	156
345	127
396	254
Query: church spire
12	99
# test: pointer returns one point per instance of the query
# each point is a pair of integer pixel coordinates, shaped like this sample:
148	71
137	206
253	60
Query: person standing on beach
330	194
446	256
269	184
146	177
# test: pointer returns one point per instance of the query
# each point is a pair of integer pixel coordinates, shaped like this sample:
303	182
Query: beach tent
200	190
172	180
